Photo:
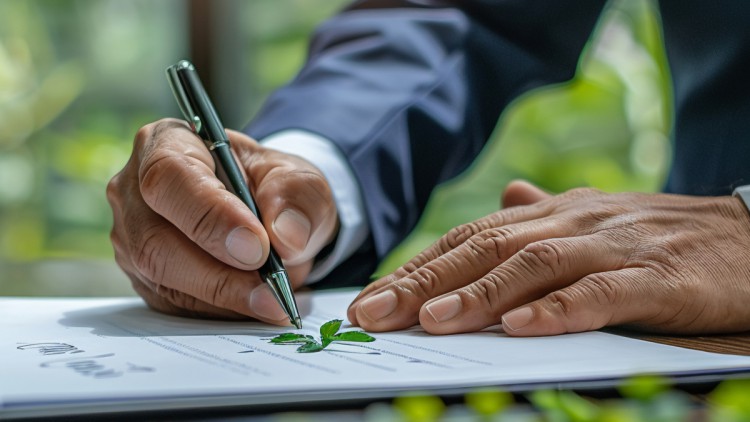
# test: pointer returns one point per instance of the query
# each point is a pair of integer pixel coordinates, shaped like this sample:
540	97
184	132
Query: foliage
75	85
644	398
78	78
329	332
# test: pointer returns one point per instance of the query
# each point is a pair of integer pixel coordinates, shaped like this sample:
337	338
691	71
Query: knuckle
409	267
165	300
315	181
544	258
150	256
497	243
421	284
146	136
118	244
141	288
296	188
660	255
178	299
218	289
143	136
562	302
149	136
577	193
114	187
606	216
489	291
156	174
458	235
602	288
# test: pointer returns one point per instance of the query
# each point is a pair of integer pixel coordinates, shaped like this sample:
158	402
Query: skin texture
543	265
190	247
578	261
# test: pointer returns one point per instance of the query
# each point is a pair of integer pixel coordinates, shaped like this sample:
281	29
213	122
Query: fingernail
518	318
265	305
292	228
244	246
380	306
446	308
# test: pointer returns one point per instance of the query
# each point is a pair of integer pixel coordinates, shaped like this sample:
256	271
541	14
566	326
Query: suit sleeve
411	91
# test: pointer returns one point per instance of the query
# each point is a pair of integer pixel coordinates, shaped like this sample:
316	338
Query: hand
574	262
190	246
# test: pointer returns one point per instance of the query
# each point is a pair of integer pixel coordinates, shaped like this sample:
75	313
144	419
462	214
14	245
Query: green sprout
329	332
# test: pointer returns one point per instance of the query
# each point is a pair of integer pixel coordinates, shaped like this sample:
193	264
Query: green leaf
330	328
311	347
488	401
419	407
360	336
730	399
291	338
308	343
644	387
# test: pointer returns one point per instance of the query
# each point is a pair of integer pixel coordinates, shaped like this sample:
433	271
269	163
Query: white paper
68	356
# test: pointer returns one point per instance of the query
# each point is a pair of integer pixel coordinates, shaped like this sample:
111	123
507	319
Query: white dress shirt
322	153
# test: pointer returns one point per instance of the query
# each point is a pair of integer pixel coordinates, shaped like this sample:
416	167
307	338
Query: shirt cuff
323	154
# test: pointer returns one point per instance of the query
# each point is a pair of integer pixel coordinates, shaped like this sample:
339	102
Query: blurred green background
78	78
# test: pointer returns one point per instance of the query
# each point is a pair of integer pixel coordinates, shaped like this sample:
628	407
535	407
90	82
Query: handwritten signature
47	349
89	366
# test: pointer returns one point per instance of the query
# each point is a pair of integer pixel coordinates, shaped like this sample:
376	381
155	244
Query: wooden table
733	344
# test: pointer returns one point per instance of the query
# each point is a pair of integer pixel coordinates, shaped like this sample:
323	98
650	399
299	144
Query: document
78	356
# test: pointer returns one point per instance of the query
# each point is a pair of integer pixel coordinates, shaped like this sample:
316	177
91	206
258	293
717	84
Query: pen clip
181	96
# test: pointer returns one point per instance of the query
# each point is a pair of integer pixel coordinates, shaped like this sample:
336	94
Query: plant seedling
329	332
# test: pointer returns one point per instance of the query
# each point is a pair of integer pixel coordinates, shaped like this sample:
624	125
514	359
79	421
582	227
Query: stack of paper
75	356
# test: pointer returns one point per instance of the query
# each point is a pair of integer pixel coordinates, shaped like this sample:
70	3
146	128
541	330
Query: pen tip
297	322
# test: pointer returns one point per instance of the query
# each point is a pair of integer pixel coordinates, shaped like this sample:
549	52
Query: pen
201	115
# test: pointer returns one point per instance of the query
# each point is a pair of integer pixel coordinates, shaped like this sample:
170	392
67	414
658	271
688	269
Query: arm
410	93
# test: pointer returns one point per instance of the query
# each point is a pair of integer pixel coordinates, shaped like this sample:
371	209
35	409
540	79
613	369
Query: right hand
190	247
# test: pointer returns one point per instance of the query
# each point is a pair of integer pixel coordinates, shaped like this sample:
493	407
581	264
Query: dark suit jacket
411	90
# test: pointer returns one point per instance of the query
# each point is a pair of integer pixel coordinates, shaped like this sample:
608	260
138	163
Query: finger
596	301
541	267
177	181
298	273
201	278
162	254
164	299
451	240
174	302
295	199
397	305
521	192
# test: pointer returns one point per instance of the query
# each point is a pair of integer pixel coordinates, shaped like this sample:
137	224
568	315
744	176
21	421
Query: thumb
521	192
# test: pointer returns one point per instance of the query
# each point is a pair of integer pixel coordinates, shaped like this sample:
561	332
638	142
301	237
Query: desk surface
734	344
104	278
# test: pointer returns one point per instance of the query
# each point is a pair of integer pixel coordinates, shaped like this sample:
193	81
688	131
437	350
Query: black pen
201	115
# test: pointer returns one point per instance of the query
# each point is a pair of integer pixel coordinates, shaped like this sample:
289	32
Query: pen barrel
200	113
230	175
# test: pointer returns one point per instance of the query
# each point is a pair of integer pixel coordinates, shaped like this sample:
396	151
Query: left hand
575	262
